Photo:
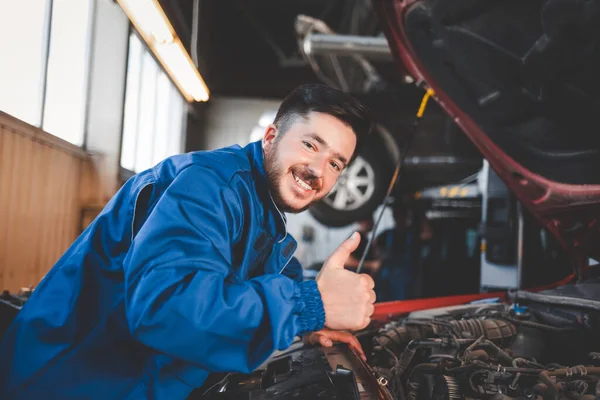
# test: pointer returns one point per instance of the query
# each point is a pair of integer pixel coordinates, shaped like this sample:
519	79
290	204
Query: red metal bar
386	311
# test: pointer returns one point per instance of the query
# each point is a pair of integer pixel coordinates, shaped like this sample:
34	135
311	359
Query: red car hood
520	79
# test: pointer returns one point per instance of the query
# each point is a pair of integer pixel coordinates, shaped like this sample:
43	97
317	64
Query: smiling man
302	166
189	269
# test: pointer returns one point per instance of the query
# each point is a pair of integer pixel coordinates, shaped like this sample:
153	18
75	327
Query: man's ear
268	140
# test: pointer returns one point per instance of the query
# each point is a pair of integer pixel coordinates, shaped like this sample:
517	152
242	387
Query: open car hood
521	79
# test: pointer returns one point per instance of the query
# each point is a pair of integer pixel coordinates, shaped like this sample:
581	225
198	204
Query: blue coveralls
188	270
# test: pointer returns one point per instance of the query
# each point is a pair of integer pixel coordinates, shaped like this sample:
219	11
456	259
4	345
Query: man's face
303	164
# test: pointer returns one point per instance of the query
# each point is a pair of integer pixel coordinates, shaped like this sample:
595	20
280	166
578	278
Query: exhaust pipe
370	47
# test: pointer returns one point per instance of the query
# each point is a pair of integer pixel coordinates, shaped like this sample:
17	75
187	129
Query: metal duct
349	45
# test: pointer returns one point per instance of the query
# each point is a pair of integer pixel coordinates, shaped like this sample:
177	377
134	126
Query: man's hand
326	337
347	297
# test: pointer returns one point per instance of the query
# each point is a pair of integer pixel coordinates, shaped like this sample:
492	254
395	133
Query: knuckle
364	280
372	296
365	323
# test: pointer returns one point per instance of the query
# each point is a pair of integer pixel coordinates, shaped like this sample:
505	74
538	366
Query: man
189	270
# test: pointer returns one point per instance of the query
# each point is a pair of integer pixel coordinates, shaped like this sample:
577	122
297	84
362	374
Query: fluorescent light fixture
153	25
149	19
176	60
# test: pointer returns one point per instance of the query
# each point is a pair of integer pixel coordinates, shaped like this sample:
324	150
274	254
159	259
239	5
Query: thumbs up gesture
347	297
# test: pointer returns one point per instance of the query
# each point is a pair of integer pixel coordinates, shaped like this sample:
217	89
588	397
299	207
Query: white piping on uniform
285	265
282	218
285	228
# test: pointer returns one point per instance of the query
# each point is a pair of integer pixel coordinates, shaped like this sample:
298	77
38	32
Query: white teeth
303	184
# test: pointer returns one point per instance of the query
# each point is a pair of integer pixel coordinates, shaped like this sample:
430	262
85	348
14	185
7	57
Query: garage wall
230	120
41	180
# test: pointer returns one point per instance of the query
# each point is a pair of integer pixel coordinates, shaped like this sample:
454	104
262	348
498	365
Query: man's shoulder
223	164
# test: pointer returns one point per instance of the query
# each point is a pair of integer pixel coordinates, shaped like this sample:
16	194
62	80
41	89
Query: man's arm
182	297
294	270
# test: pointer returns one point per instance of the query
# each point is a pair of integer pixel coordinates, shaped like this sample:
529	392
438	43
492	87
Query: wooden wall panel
40	201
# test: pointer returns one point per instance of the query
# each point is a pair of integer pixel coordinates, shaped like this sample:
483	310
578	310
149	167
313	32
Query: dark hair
320	98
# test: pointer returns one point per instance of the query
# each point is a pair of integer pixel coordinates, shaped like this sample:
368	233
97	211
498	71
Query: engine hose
528	363
578	370
551	388
551	392
397	338
410	350
459	370
498	368
414	382
494	351
480	355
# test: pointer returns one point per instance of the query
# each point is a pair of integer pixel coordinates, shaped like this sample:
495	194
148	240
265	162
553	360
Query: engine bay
490	352
538	346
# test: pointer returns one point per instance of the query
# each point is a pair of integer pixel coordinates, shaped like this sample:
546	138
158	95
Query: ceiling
249	48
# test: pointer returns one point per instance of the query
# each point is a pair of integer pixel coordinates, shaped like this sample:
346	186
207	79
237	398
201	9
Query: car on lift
520	79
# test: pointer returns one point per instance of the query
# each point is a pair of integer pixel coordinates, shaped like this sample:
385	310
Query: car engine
537	346
492	351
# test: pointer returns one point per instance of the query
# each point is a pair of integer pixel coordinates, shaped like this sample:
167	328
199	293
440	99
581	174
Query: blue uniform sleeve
294	270
182	297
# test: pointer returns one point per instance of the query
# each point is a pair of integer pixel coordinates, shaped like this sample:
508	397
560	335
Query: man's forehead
329	130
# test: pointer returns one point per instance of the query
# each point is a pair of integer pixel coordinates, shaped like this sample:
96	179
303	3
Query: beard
275	173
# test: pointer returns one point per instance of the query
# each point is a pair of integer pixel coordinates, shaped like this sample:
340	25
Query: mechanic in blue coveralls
189	269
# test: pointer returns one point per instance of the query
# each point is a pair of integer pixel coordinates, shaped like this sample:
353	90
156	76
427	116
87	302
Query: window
66	87
23	36
44	77
154	112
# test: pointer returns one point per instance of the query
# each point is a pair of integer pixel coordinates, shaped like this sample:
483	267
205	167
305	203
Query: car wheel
360	189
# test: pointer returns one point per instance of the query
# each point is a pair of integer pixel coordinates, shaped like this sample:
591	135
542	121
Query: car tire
358	192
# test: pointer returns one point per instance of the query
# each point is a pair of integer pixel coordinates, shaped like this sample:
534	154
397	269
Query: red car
521	79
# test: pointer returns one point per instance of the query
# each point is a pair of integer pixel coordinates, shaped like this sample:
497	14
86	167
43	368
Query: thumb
338	258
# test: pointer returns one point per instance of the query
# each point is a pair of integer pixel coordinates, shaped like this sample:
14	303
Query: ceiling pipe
371	47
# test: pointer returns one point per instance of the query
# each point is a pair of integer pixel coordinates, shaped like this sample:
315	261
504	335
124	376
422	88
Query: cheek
284	160
329	182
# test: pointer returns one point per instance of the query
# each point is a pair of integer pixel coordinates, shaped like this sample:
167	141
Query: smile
302	184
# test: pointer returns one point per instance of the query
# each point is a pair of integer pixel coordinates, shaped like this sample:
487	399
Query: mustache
309	177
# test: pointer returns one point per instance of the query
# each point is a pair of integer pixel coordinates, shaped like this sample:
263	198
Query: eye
335	166
308	145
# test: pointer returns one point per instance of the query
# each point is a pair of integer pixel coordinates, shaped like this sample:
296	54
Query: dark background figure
397	254
422	268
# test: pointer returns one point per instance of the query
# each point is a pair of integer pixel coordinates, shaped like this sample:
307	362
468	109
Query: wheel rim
354	187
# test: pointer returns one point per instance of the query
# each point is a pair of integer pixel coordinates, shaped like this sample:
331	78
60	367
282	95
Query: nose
317	166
